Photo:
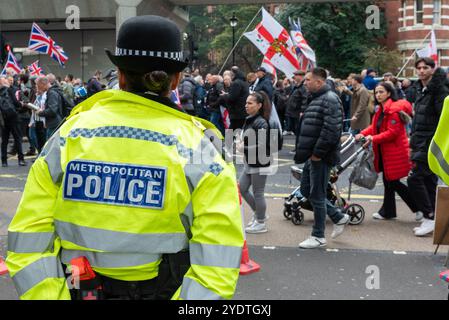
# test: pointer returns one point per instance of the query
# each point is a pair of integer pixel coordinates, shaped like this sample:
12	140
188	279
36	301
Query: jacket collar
103	98
320	92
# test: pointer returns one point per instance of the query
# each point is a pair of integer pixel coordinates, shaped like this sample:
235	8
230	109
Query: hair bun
157	81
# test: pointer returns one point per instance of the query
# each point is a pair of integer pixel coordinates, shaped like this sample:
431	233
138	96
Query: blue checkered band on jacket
138	134
124	132
215	168
172	55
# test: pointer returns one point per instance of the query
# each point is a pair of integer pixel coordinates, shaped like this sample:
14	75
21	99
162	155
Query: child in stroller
295	201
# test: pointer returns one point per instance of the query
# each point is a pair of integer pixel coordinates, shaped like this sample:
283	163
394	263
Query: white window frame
404	13
436	13
421	12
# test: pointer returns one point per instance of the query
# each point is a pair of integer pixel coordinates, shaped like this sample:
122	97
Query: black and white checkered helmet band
177	55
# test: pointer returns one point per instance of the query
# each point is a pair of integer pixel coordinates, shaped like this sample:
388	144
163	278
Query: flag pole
230	53
413	54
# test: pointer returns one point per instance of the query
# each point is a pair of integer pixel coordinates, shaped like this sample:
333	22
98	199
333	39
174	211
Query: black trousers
422	183
41	135
388	209
11	127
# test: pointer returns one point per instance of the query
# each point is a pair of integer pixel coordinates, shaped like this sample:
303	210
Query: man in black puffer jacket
319	147
431	90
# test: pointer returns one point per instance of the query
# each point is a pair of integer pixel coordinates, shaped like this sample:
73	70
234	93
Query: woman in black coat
257	161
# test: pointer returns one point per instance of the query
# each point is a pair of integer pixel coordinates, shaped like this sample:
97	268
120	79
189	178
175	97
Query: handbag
364	175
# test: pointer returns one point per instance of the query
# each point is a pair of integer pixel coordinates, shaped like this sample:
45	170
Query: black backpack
67	106
6	106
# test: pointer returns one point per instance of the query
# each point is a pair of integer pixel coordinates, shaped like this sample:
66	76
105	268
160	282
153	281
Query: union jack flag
35	70
41	42
174	97
306	55
11	63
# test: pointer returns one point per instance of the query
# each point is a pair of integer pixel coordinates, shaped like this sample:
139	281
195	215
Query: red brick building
410	21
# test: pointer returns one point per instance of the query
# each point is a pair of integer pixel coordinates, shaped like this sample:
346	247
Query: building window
436	11
419	11
404	13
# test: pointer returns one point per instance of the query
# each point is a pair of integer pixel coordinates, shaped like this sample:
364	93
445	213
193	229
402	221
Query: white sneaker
251	222
377	216
340	226
426	227
253	219
313	242
419	216
421	225
257	227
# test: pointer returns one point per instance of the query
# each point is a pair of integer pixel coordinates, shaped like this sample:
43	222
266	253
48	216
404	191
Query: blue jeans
314	181
216	119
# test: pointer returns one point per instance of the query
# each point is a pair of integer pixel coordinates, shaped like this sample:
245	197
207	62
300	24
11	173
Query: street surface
404	265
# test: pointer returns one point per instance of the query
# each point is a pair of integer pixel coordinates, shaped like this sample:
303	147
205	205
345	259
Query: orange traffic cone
247	266
3	268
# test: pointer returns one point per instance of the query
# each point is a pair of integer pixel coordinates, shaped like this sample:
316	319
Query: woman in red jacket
391	148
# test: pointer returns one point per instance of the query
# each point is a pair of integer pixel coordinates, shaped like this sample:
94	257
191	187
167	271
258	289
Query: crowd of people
33	107
388	112
397	117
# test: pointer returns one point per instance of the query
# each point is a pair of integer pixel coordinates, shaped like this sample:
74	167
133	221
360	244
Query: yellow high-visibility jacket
438	155
123	181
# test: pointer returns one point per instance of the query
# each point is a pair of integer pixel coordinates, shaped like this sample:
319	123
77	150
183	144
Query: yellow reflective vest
438	155
123	181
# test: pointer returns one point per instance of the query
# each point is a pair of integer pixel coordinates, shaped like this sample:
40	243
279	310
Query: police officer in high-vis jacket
135	186
438	155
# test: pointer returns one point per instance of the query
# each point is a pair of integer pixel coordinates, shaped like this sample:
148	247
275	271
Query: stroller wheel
287	214
298	217
356	214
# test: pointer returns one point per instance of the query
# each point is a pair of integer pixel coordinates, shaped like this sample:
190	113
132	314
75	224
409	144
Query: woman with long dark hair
257	161
391	148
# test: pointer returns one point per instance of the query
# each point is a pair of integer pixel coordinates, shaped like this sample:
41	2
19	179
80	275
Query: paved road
407	267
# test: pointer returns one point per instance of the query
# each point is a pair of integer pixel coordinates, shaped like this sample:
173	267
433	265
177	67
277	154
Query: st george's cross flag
268	65
43	43
275	44
306	55
430	50
11	63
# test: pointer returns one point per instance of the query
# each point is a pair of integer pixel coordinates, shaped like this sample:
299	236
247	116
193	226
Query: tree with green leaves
212	32
337	33
383	60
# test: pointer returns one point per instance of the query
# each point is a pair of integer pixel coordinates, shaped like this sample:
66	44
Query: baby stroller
295	203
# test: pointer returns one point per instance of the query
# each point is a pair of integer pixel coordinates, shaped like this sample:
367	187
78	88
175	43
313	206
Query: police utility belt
92	286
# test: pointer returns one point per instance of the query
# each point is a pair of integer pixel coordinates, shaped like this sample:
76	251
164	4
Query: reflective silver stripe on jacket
29	242
201	162
110	260
192	290
436	151
114	241
36	272
52	155
215	255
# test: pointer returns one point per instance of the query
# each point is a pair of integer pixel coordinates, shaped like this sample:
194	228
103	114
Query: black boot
22	163
4	164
